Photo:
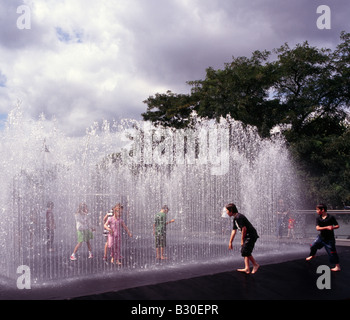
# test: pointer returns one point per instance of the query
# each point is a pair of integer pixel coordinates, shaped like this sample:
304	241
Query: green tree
240	90
307	86
305	89
170	109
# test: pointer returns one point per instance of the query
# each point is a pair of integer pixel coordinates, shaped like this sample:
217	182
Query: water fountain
195	171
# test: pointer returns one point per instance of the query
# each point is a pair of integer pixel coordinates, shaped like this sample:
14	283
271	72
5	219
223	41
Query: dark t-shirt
328	221
241	221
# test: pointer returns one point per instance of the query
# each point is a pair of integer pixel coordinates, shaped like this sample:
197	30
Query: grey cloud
162	44
172	46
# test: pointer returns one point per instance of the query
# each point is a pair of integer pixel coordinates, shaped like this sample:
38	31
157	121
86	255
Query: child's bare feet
255	268
247	271
336	268
309	258
116	262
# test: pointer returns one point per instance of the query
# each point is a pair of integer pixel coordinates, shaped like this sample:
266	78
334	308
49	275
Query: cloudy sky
83	61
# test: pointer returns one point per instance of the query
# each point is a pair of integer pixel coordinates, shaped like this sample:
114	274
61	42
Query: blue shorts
329	245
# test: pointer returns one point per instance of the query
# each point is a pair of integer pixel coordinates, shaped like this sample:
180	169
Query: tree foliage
305	90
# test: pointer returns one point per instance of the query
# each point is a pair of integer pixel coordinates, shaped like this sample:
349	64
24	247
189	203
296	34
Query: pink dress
114	240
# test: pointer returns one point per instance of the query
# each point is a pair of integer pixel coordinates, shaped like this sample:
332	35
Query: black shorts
248	246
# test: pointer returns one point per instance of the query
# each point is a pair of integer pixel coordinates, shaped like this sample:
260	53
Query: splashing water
194	171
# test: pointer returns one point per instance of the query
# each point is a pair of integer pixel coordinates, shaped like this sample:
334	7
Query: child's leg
246	252
157	243
105	250
246	266
117	247
162	251
90	249
77	247
112	248
332	254
255	264
317	244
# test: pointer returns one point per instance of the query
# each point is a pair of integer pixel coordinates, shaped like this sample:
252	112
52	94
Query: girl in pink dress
114	225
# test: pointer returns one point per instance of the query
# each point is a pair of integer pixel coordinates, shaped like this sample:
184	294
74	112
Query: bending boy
249	237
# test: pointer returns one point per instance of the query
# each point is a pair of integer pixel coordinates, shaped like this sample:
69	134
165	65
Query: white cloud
84	61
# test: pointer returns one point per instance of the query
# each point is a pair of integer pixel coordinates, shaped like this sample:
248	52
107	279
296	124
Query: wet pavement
290	280
280	277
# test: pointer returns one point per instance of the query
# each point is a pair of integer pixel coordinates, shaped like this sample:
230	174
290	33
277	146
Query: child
281	213
50	226
159	230
113	225
325	223
106	233
84	230
249	237
291	223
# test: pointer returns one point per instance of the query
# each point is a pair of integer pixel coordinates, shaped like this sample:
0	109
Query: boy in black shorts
249	237
325	223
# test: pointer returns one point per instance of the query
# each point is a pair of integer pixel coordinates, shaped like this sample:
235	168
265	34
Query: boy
249	237
159	230
325	223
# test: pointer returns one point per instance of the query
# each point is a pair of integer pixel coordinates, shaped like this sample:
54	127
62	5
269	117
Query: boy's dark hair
322	206
232	208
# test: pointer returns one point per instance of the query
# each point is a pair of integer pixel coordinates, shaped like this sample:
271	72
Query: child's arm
126	229
318	228
173	220
244	233
106	226
233	234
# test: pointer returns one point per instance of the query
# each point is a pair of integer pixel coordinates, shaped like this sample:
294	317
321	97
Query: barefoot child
114	225
249	237
159	231
84	230
106	233
291	223
325	223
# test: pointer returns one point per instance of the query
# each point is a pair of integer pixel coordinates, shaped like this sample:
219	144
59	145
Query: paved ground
281	277
291	280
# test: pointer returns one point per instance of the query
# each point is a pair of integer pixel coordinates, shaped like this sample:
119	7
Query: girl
113	225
